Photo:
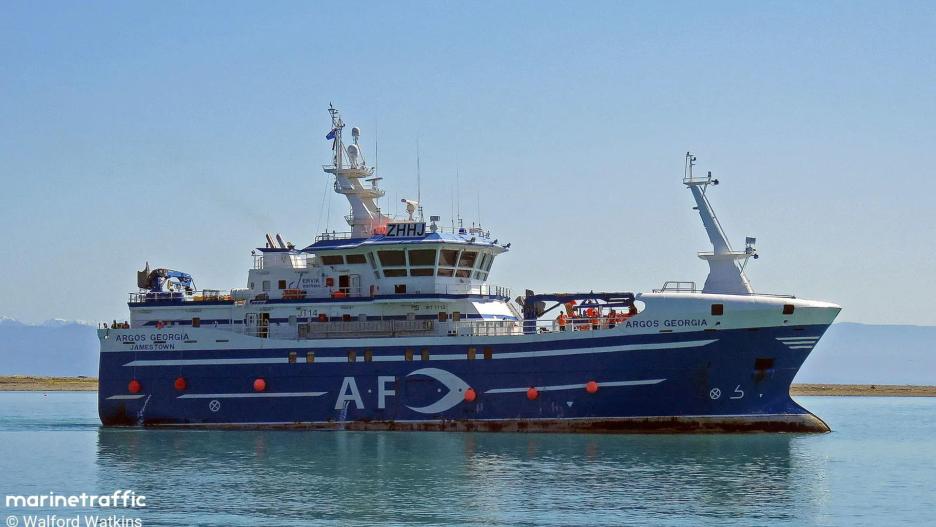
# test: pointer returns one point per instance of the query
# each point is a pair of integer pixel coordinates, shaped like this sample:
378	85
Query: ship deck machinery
394	325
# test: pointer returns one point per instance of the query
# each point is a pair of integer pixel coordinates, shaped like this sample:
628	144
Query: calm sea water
877	468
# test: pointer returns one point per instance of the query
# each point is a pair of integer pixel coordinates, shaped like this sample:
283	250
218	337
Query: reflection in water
292	478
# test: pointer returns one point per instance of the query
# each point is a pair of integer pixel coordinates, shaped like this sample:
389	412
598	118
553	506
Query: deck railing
204	295
674	286
353	328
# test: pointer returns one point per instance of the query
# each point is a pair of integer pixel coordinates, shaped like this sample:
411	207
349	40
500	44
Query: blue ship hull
727	380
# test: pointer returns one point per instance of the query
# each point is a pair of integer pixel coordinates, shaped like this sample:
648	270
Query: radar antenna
365	218
725	275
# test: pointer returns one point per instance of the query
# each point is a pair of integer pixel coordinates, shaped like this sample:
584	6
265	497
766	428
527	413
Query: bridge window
467	259
446	272
422	257
355	258
428	271
281	284
463	273
394	272
391	258
333	259
448	257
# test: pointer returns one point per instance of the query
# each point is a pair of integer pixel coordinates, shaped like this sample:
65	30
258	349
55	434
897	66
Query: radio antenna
418	183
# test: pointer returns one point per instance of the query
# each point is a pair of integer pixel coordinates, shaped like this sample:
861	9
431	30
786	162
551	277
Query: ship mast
725	276
349	168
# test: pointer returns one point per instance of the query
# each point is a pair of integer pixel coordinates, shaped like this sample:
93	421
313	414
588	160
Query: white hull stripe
440	357
248	395
124	397
809	347
792	339
575	386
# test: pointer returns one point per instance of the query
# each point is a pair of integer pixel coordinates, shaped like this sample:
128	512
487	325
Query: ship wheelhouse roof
380	241
442	256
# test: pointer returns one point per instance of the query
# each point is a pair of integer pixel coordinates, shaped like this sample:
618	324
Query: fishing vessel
393	324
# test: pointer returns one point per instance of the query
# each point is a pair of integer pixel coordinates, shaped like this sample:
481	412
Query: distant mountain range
851	353
848	354
55	347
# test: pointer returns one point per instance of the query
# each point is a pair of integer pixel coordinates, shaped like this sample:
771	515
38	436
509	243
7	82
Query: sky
179	133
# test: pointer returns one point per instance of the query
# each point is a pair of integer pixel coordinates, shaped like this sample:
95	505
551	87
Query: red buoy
591	386
259	384
180	384
532	393
470	395
134	386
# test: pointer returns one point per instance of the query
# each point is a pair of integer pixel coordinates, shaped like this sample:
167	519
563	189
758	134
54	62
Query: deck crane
163	280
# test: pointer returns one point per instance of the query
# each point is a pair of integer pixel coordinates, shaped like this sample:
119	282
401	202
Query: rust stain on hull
799	423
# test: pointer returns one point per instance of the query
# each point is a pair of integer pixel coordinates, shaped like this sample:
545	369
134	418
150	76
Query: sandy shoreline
30	383
879	390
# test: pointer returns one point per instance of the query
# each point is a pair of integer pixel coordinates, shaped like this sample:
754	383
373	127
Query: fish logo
456	390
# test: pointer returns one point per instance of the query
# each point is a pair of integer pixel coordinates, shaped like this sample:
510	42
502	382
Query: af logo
350	394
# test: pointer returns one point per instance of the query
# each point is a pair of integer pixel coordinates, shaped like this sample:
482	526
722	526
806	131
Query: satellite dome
353	151
355	132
